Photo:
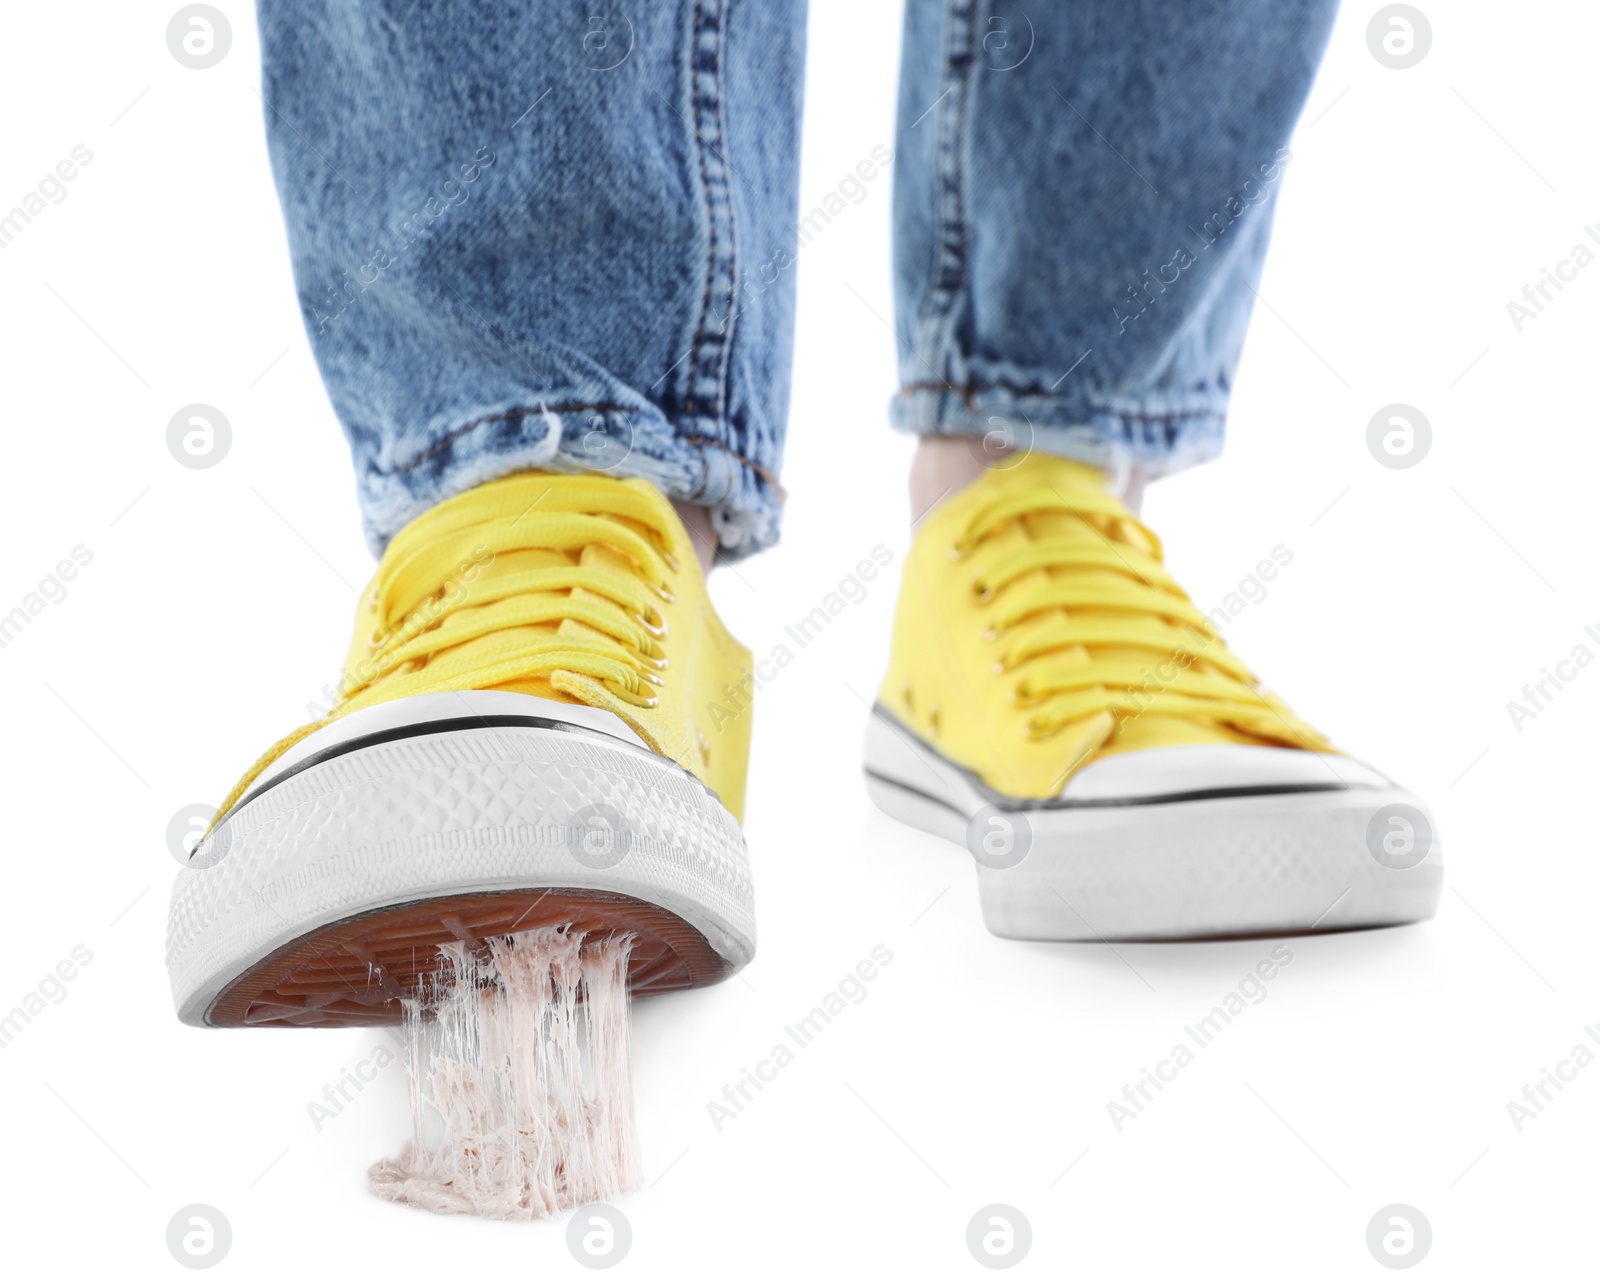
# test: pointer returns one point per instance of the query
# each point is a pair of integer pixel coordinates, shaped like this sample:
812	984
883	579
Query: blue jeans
564	235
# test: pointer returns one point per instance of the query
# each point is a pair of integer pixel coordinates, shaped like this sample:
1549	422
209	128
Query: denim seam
1108	439
447	440
760	470
711	215
711	30
968	393
518	413
726	160
949	266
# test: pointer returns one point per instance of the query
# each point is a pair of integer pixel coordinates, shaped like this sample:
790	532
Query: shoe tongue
1067	478
504	643
509	561
1133	733
597	561
591	557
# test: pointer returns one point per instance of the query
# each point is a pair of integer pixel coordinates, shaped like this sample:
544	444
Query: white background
978	1071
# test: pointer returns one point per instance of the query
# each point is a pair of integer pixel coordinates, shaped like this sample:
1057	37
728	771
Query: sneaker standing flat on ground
1055	703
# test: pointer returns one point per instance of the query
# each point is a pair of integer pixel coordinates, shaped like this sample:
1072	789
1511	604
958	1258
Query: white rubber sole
474	793
1182	864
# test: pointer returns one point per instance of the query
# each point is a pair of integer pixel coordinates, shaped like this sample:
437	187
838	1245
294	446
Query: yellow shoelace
1104	632
532	578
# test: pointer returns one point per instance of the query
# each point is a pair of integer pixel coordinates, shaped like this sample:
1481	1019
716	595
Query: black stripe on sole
444	725
1024	805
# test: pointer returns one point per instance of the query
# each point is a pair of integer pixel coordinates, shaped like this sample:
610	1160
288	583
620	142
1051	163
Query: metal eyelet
656	626
631	696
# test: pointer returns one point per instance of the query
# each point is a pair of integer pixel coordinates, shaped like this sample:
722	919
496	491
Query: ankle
696	519
943	466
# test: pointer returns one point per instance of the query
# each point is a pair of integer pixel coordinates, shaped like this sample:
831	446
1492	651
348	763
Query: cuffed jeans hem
615	439
1155	437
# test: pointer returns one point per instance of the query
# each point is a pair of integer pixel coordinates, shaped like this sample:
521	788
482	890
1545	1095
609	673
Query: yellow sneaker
522	740
1055	703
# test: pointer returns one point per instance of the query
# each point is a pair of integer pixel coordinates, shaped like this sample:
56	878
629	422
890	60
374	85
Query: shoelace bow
440	622
1056	598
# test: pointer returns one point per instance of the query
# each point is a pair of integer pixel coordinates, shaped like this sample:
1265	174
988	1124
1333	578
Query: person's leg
1082	203
1083	194
544	255
539	235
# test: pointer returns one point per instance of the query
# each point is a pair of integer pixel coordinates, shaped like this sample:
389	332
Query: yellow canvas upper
1037	630
579	588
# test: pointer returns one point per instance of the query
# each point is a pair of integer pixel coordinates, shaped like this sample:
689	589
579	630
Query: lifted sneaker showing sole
1056	705
520	745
